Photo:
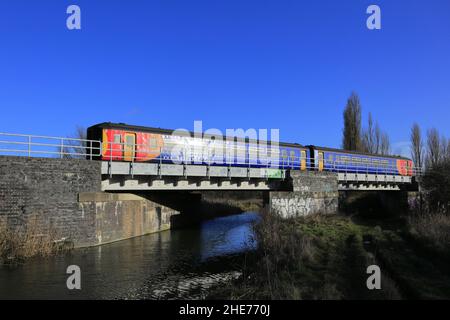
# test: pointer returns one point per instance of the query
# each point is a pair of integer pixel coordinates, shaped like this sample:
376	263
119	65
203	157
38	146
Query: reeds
21	242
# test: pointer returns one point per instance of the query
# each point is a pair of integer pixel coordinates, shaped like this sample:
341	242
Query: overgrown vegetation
215	203
436	185
19	243
326	257
433	230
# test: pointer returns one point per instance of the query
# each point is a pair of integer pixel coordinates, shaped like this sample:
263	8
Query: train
123	142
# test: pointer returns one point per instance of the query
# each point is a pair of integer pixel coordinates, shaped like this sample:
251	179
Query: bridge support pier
119	216
311	193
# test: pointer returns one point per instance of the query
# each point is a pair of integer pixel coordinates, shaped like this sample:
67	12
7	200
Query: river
175	264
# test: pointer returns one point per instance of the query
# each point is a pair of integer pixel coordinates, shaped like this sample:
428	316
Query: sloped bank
326	257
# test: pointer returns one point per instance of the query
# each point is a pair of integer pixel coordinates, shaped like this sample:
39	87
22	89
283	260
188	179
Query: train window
292	156
130	140
152	143
117	138
284	154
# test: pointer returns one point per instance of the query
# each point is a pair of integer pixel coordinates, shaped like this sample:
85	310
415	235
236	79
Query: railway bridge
90	202
134	176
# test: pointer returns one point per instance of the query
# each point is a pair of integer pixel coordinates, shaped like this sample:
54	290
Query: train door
303	160
320	161
129	146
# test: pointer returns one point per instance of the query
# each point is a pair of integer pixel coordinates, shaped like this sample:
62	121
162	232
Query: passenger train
122	142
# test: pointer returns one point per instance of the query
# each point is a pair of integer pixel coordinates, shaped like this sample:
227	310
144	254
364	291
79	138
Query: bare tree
374	140
433	147
447	158
368	137
444	149
417	146
385	145
377	139
75	149
352	124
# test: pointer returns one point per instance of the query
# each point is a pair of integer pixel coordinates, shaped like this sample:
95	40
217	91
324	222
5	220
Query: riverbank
174	264
215	204
17	244
325	257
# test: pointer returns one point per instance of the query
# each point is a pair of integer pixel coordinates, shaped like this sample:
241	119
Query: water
167	265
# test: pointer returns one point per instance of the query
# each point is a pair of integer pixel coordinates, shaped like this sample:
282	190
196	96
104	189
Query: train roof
124	126
356	152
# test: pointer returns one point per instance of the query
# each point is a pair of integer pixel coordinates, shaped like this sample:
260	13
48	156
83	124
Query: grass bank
326	257
214	204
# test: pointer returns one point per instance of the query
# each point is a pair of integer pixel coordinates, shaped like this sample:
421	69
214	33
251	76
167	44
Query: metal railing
238	155
47	146
243	157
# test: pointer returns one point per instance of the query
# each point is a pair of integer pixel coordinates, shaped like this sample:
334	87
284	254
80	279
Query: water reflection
227	235
171	264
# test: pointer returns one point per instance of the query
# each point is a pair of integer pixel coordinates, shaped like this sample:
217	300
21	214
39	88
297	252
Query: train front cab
118	145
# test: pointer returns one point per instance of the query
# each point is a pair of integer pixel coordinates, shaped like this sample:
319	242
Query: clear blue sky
231	63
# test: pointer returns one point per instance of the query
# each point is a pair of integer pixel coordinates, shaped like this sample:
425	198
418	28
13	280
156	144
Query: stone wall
296	203
313	181
312	193
62	197
121	216
46	190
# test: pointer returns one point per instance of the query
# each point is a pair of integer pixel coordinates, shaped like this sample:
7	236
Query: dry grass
431	228
314	258
19	243
288	263
284	249
326	257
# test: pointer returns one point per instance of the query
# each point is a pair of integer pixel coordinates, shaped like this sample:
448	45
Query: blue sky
231	63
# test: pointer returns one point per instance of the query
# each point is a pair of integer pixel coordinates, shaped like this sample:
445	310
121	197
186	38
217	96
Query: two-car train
121	142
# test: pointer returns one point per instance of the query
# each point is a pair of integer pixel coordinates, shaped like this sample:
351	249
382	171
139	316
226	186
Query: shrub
436	185
432	228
